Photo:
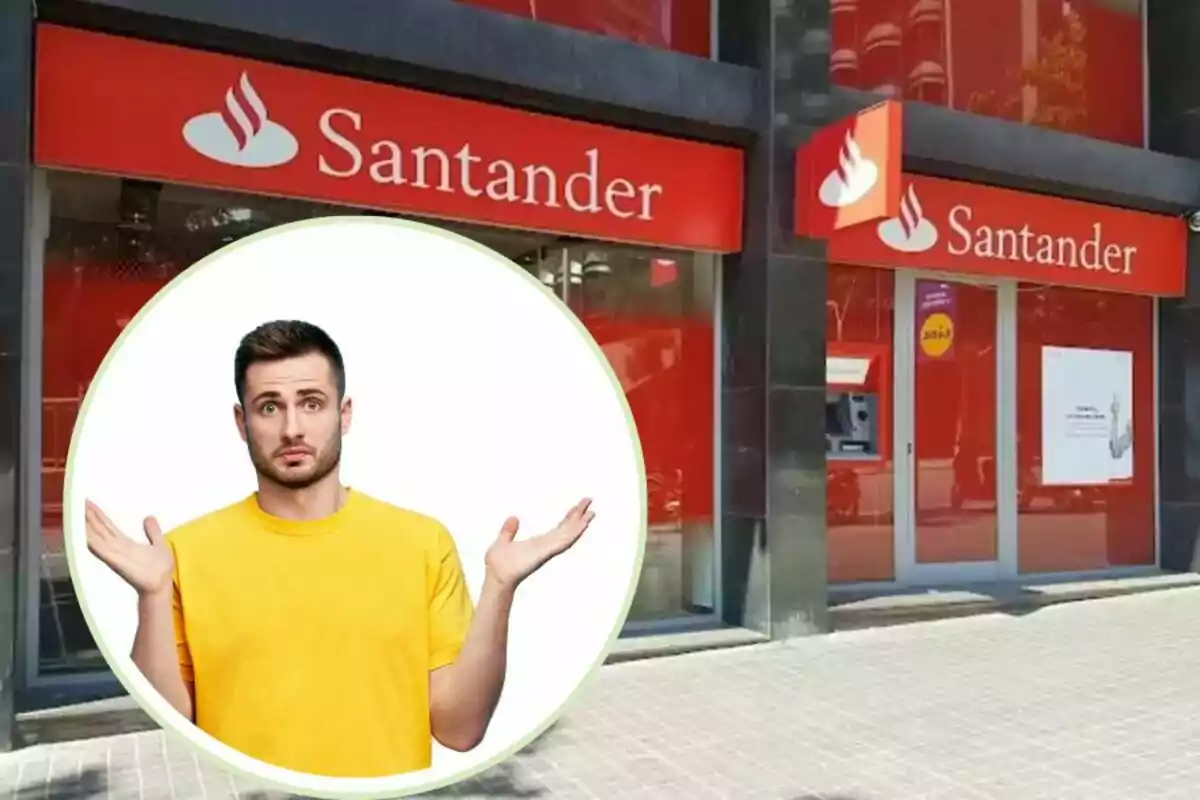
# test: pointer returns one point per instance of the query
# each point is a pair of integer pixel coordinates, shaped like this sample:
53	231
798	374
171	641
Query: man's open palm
148	568
510	562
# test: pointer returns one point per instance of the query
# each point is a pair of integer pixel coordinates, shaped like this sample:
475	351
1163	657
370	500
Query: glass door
955	381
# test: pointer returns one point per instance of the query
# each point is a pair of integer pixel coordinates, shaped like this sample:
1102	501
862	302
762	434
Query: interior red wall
82	320
670	392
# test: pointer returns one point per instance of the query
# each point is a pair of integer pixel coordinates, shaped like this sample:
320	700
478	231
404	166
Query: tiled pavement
1097	700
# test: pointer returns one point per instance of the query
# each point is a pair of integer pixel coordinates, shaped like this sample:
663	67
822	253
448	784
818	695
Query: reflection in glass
114	243
679	25
1070	65
652	314
954	416
859	324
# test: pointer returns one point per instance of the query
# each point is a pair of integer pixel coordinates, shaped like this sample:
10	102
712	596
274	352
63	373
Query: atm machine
856	395
857	405
851	424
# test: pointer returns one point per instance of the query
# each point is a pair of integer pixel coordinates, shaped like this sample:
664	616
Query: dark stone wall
1174	64
773	356
15	174
1179	422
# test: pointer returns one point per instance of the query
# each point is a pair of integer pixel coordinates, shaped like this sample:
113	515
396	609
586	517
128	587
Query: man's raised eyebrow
269	394
311	393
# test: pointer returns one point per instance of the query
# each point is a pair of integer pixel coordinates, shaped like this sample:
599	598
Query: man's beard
327	461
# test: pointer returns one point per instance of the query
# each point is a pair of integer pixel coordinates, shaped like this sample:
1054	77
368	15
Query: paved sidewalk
1097	700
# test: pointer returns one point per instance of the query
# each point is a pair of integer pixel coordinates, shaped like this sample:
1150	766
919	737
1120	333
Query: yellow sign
937	334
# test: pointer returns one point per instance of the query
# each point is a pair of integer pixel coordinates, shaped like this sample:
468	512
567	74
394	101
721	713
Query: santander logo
974	232
853	178
910	232
241	134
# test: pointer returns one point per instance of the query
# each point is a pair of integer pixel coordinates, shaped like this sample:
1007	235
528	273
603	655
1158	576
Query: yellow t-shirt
309	644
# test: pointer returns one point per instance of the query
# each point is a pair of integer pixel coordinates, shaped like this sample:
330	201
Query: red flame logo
911	213
850	158
244	113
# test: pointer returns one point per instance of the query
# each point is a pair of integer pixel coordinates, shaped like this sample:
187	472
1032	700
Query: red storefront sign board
129	107
968	228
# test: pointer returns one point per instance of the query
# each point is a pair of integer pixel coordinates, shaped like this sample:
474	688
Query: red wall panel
679	25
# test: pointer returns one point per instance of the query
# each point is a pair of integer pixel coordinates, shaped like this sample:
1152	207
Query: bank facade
869	345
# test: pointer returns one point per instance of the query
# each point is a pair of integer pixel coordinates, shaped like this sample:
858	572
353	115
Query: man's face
292	421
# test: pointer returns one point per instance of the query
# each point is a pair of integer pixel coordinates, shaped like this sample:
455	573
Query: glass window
1104	524
114	243
652	314
859	324
679	25
1071	65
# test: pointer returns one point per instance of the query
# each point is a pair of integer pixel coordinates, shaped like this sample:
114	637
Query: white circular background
497	399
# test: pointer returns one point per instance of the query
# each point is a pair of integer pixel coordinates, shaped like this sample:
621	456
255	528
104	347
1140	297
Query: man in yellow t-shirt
310	626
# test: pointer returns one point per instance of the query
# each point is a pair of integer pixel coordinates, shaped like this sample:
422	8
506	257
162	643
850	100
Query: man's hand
508	562
147	568
463	695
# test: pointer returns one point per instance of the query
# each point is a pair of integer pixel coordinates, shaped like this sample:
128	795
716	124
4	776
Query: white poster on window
1087	416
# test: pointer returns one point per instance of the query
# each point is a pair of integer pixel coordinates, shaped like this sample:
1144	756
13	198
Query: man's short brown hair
282	339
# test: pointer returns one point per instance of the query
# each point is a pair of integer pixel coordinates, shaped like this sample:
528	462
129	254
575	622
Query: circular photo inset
355	506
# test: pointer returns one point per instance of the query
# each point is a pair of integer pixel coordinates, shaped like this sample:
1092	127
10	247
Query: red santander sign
110	104
961	227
